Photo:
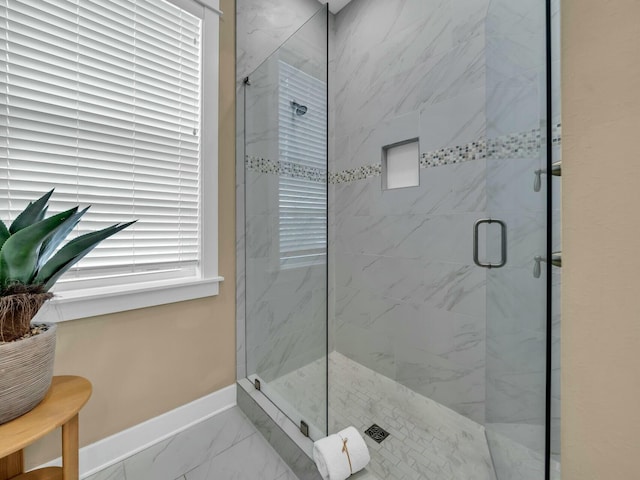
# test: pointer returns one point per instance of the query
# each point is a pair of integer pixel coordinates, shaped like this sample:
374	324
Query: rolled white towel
358	450
340	455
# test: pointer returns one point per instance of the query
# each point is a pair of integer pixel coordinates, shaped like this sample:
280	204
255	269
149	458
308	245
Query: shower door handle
503	243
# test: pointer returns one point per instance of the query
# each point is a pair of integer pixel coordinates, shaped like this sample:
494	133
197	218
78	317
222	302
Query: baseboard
117	447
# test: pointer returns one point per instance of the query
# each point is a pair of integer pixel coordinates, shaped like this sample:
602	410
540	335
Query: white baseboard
117	447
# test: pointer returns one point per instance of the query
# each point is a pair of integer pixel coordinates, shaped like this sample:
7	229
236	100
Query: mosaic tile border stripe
457	154
358	173
285	169
516	145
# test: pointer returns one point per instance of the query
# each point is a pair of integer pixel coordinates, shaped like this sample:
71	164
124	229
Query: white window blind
303	146
101	100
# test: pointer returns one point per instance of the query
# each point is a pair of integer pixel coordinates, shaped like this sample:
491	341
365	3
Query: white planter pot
26	369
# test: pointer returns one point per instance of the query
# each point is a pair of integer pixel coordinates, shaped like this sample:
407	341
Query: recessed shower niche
401	165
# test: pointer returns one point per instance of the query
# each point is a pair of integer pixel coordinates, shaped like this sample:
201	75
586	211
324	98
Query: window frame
87	302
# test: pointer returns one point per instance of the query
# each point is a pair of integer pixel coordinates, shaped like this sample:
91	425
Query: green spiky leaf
19	253
4	233
28	247
4	274
53	242
72	253
34	213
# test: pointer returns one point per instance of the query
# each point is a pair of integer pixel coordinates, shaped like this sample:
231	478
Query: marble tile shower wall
408	302
261	28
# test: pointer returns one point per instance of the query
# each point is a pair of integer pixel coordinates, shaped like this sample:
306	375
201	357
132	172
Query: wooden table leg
11	465
70	465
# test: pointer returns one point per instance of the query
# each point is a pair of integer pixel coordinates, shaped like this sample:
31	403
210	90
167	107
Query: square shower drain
377	433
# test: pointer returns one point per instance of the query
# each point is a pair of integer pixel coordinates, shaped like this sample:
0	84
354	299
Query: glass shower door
516	301
286	226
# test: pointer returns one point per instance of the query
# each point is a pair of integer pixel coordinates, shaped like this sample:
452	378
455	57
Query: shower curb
297	457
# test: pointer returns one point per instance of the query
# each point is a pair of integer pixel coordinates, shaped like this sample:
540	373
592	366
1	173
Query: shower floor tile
427	441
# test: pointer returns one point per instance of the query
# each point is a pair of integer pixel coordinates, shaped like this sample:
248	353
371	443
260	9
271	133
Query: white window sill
72	305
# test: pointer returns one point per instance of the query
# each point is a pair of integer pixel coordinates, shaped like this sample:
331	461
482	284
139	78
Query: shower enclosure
398	226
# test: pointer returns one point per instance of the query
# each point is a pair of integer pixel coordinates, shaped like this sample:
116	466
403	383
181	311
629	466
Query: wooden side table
60	407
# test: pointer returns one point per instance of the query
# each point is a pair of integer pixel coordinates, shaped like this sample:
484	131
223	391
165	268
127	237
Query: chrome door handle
503	241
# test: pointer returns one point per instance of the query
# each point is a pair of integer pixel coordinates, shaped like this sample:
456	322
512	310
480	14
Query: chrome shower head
298	109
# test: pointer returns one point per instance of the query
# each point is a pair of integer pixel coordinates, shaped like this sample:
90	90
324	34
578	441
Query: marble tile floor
427	441
224	447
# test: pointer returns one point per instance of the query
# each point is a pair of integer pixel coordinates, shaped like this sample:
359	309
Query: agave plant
31	260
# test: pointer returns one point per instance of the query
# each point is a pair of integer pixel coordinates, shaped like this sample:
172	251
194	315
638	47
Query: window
107	101
302	193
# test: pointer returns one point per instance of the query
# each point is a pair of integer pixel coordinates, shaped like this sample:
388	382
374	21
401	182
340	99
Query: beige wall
601	240
146	362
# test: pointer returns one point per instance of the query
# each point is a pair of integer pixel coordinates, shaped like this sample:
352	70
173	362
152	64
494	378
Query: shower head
298	109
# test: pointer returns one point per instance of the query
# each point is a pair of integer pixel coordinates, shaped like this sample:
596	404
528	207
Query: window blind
101	100
303	143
